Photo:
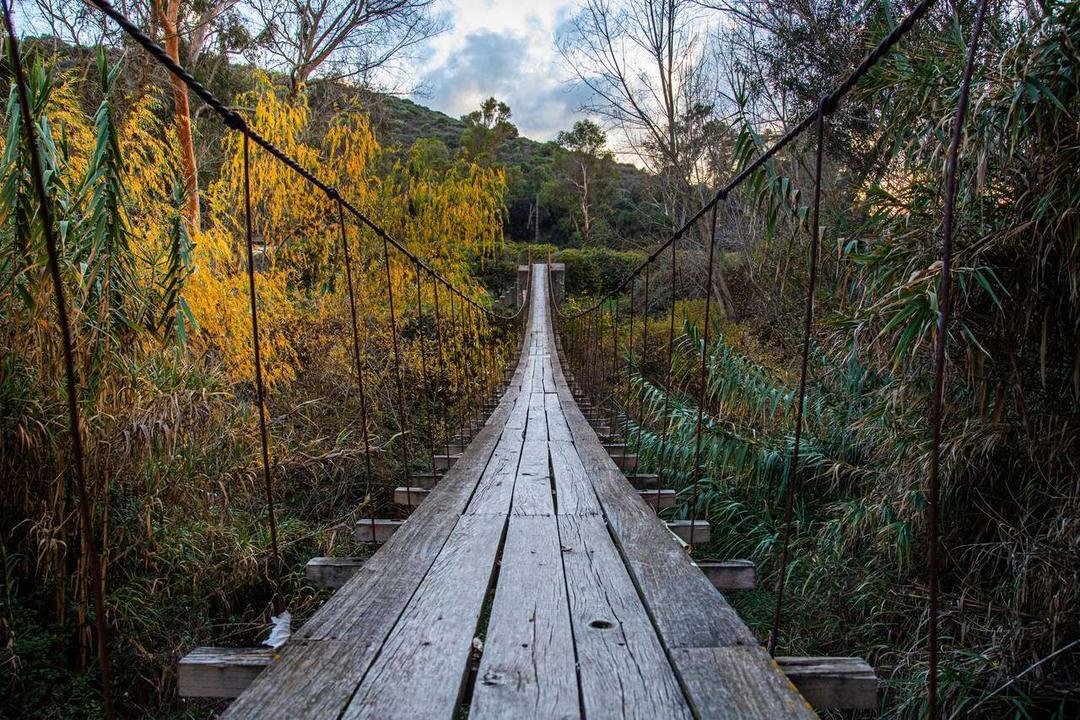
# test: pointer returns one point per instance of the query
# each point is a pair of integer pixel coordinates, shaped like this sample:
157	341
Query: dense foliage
1012	439
163	349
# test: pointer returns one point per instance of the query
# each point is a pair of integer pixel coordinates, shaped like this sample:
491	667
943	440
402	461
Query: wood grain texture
527	668
696	533
532	487
327	657
536	430
573	491
623	669
846	683
426	480
558	430
496	484
421	668
738	682
221	672
331	572
375	530
728	575
659	500
597	609
409	496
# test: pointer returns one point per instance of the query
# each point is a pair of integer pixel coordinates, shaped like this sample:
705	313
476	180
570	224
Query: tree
168	13
341	38
652	76
585	156
486	130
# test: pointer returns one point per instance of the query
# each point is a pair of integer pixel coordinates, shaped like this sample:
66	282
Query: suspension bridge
534	571
533	580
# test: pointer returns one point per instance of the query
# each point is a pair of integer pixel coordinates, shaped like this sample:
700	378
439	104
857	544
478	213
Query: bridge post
558	282
522	285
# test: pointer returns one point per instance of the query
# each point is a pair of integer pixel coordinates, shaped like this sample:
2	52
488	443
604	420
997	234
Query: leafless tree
340	39
651	72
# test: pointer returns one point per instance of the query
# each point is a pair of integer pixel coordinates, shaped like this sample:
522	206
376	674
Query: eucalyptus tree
582	163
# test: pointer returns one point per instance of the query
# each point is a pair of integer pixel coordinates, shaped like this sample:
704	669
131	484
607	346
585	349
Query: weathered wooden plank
549	376
661	499
738	682
728	575
573	491
221	672
327	657
696	533
643	481
536	429
622	666
532	487
445	462
375	530
496	485
410	496
846	683
558	430
686	608
331	572
425	480
430	644
520	413
527	668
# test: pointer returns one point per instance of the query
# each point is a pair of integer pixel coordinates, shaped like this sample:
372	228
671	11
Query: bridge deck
532	582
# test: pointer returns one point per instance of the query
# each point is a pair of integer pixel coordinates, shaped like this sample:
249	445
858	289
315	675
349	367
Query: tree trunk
168	12
585	219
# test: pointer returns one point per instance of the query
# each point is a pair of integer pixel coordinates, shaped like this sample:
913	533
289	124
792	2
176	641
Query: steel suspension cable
402	421
86	526
235	121
793	467
945	300
459	362
612	404
642	364
428	413
628	405
260	388
702	379
872	58
664	450
443	383
357	364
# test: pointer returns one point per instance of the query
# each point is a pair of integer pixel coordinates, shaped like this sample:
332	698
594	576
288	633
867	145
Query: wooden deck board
422	666
527	668
532	488
573	492
624	671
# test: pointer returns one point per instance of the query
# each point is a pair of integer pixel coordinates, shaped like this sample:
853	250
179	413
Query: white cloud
504	48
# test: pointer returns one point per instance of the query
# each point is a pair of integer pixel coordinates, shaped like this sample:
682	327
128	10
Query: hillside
624	210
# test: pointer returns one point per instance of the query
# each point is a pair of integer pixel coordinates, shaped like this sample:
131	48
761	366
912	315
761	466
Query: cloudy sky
504	48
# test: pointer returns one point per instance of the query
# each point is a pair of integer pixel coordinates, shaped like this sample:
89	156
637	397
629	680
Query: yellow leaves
71	128
442	215
217	293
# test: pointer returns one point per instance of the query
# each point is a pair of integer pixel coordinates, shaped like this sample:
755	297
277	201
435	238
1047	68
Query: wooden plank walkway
532	581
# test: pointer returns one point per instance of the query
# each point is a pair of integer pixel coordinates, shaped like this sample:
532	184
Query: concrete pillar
558	280
522	285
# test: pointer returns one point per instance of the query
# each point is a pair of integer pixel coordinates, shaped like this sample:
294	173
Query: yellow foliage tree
442	215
